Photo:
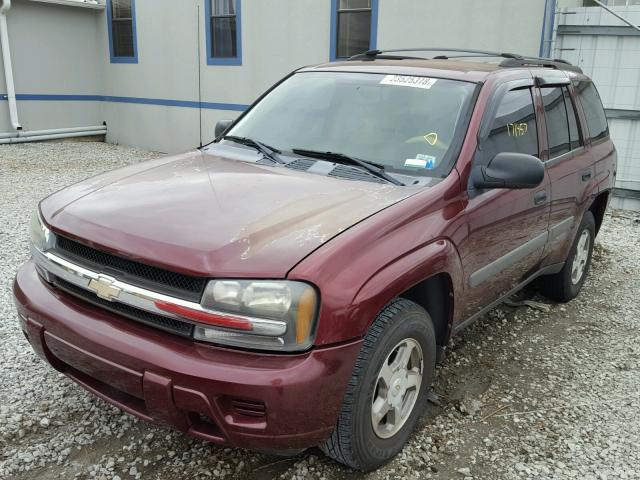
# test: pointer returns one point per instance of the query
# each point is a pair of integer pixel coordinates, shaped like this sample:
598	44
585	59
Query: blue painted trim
373	39
333	41
46	97
237	107
115	59
211	60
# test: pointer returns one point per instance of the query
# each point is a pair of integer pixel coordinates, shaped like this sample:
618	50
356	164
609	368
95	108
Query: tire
401	325
566	284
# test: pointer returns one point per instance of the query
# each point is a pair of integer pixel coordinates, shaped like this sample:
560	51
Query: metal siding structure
608	50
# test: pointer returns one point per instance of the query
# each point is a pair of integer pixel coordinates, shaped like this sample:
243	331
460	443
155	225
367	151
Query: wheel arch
599	206
436	295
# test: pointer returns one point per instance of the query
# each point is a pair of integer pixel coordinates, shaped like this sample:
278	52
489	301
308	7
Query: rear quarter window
593	110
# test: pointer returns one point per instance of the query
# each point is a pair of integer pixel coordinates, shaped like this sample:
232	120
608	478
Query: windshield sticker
421	161
408	81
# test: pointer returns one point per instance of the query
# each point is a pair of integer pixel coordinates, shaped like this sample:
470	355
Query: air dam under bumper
264	402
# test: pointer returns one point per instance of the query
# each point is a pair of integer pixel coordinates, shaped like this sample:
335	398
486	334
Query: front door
508	229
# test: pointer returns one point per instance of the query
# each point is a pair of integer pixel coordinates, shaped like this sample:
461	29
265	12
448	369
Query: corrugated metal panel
608	51
626	134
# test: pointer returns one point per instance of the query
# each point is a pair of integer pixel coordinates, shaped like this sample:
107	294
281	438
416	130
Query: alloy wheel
397	388
581	257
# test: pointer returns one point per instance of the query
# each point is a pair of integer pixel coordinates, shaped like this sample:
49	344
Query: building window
121	15
354	26
224	46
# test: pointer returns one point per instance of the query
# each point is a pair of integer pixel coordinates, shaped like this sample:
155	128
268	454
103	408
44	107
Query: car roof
455	70
465	70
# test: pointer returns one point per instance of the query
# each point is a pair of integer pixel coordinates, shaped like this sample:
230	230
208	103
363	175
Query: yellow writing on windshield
517	129
431	138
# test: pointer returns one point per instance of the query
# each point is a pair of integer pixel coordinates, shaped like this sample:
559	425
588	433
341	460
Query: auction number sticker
409	81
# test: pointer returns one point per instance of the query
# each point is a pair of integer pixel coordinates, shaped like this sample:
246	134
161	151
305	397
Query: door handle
540	197
586	175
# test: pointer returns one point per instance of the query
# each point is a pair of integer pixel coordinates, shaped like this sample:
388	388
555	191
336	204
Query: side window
593	110
574	134
353	27
514	127
223	32
557	121
121	15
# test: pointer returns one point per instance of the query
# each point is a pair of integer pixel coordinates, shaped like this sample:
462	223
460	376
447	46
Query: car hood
213	214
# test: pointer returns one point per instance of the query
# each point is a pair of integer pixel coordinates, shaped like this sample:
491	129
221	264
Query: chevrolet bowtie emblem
103	287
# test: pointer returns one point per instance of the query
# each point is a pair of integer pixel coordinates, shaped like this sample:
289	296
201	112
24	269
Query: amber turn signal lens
305	314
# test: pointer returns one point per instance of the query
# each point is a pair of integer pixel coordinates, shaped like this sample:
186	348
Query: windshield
407	124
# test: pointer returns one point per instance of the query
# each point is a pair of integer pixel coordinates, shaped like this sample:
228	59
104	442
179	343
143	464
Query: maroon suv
293	283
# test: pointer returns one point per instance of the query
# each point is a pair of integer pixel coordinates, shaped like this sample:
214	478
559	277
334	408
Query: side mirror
222	126
509	170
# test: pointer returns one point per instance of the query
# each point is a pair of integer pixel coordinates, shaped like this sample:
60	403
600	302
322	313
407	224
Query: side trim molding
548	270
560	229
495	267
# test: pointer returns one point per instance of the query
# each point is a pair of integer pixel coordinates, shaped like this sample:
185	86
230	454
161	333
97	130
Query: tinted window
592	106
514	127
574	134
557	122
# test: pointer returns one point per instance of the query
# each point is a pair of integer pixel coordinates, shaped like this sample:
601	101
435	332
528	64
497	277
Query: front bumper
268	402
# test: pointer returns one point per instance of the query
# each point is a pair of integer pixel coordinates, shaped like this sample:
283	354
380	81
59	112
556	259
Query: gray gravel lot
523	393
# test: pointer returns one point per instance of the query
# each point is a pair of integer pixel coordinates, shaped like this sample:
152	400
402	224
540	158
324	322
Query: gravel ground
523	393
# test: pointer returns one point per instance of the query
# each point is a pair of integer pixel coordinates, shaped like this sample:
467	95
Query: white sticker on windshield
421	161
409	81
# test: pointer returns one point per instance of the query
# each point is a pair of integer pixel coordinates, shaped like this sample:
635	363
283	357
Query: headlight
260	314
41	237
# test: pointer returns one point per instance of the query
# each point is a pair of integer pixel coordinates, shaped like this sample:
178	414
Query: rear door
567	160
507	228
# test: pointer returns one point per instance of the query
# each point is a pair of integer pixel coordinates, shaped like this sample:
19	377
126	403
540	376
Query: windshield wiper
373	168
265	150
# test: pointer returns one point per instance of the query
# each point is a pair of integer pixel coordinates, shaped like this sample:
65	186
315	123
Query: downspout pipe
548	27
617	15
54	134
8	71
57	136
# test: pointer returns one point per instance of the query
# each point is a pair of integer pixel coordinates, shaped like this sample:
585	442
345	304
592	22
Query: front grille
158	321
139	274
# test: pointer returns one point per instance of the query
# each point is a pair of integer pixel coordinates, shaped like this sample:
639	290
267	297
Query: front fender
439	256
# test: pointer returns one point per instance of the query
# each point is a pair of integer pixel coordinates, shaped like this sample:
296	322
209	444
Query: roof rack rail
556	63
510	59
373	54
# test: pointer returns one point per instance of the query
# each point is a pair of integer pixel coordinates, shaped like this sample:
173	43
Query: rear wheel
387	392
566	284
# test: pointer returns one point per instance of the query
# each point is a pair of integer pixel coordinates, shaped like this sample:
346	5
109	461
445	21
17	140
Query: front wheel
388	390
566	284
